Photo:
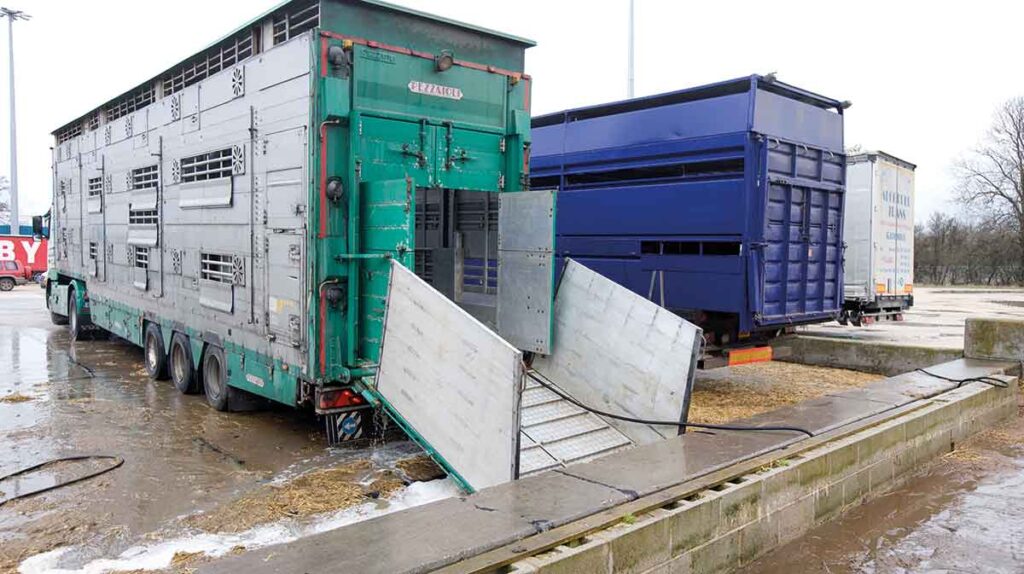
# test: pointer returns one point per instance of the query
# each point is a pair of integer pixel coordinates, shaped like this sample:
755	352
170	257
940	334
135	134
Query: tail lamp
339	398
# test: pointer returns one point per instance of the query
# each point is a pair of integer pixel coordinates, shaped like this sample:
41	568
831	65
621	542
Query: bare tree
991	177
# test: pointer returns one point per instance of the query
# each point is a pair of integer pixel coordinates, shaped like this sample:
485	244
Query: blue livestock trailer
723	203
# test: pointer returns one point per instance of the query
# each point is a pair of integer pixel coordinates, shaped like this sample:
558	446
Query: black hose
118	461
961	382
563	395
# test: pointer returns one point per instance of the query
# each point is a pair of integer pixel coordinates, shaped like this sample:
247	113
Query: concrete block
591	557
740	504
856	487
998	339
869	356
757	539
693	524
792	521
828	502
780	487
717	556
880	475
882	440
677	565
843	457
638	547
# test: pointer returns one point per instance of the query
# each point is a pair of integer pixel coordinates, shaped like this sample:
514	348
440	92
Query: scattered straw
16	398
420	468
312	493
746	390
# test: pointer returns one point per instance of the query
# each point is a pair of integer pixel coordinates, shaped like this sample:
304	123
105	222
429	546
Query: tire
843	318
6	283
215	378
856	318
58	319
154	355
180	364
74	317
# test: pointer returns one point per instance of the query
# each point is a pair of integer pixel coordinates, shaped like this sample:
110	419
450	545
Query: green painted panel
390	83
387	230
469	159
393	149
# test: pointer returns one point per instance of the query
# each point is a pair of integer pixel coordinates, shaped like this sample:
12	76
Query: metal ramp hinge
501	182
501	145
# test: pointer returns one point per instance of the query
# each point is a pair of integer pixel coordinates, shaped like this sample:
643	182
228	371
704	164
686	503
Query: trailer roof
733	86
283	8
874	154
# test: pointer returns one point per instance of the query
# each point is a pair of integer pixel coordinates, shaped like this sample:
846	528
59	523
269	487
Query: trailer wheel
74	318
856	318
155	355
215	378
843	318
6	283
183	375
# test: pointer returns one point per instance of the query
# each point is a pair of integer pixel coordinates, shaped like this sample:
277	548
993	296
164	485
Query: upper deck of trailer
754	103
368	19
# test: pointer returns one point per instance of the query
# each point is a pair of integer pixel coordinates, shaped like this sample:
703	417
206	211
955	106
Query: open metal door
526	237
450	382
619	352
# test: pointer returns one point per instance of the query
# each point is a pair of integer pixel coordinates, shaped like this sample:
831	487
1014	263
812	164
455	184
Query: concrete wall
1000	339
732	524
868	356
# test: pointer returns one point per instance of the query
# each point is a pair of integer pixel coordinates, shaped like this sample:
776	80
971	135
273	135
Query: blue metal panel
725	198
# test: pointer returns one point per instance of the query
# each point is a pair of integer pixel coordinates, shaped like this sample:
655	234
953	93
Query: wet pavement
962	513
936	319
59	398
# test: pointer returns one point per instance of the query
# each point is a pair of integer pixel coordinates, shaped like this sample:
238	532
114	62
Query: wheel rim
178	363
73	312
151	353
211	376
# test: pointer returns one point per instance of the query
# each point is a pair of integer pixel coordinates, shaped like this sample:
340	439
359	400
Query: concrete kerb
735	522
887	359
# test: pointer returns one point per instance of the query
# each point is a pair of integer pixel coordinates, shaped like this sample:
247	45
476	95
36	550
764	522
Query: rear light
336	399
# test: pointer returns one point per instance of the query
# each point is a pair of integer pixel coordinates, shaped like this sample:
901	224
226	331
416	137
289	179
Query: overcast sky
924	78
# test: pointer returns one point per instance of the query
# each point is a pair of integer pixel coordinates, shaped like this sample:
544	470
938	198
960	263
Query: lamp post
11	16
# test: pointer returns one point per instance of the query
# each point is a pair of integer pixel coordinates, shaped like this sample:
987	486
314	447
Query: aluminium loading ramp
462	392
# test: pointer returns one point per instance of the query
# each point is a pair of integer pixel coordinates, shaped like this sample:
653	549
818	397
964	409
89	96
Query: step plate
555	433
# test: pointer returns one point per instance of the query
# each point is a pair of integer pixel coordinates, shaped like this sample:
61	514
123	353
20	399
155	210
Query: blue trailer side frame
725	200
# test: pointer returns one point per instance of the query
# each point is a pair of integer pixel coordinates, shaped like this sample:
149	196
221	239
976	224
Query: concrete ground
193	478
936	319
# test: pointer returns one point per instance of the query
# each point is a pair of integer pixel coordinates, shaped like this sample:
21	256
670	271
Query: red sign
30	252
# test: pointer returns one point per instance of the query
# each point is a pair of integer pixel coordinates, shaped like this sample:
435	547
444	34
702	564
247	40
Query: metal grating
206	166
302	17
95	186
136	99
142	257
227	54
217	267
555	433
69	132
142	217
144	178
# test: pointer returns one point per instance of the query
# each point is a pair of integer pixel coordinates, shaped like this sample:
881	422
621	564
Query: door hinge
501	145
501	182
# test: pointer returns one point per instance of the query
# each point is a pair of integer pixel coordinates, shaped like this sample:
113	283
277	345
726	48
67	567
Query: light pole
11	16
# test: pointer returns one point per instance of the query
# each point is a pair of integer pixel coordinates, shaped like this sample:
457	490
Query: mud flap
344	427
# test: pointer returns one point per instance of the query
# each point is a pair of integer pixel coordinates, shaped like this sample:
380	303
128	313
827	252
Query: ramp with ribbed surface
555	433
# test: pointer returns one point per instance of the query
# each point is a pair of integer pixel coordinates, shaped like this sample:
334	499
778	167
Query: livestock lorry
723	203
237	214
879	234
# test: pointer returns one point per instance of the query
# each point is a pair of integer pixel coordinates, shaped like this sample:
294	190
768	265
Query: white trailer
879	233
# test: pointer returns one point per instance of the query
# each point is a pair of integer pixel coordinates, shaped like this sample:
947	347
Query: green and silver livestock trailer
236	215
